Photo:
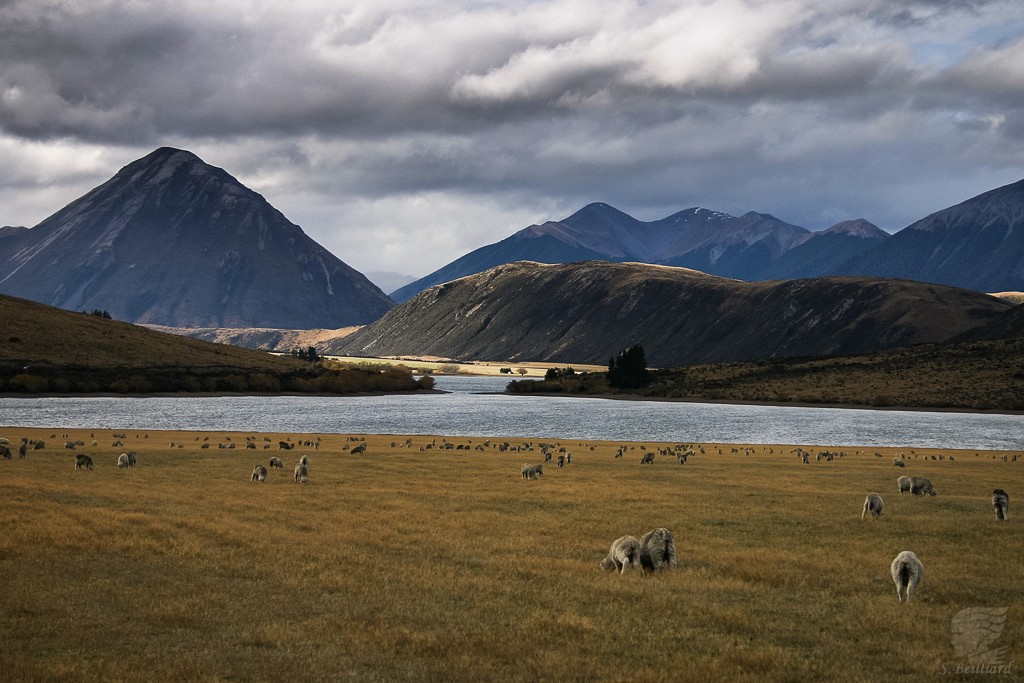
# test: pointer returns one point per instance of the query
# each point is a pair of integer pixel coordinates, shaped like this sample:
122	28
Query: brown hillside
48	349
35	333
585	312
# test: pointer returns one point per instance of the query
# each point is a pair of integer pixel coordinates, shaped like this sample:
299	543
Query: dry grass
446	565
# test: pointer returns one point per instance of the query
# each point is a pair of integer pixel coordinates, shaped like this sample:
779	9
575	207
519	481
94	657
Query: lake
473	409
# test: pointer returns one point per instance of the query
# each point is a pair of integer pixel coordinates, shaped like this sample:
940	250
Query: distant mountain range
584	312
978	244
172	240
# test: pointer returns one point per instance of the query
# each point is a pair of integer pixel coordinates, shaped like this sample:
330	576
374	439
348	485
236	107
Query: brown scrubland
426	562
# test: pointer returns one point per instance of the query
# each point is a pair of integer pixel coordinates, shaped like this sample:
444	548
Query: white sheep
301	474
657	550
873	504
907	572
624	553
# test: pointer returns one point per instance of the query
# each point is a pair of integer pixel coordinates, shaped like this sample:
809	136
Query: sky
402	134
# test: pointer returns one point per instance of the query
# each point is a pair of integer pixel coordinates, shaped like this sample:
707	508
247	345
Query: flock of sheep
907	570
654	551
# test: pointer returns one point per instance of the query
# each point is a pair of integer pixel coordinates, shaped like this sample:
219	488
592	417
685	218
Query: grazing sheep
301	474
903	483
539	468
899	462
647	459
873	504
920	486
361	448
276	462
5	452
907	572
561	461
39	445
131	459
657	550
1001	503
122	460
528	471
22	450
624	553
304	461
284	445
259	473
83	461
69	445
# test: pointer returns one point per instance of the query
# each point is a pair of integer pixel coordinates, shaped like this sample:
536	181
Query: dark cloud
439	126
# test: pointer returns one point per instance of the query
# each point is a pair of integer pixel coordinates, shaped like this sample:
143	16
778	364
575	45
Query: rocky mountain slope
172	240
978	244
585	312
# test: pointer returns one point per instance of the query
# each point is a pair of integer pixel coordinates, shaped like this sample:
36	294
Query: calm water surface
470	411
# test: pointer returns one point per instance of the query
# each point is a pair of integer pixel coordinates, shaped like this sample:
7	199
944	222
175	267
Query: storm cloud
401	134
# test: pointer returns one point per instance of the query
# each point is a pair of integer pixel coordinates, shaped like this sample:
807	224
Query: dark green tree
628	370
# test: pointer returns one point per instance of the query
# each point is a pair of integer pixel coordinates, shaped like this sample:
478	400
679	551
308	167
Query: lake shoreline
767	404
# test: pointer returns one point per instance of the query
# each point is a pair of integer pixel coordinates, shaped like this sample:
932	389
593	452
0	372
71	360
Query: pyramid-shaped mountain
977	244
174	241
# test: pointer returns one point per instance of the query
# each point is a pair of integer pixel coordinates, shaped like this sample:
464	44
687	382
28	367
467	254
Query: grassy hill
977	375
48	349
583	312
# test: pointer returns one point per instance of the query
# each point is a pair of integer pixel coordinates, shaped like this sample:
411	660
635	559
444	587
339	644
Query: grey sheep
276	462
131	459
647	459
903	483
361	448
899	462
873	504
657	550
1001	504
624	553
22	450
920	486
5	452
301	474
259	473
907	572
83	461
528	471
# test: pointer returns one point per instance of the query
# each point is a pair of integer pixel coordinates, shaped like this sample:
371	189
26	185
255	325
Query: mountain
746	247
261	338
172	240
823	252
978	244
586	312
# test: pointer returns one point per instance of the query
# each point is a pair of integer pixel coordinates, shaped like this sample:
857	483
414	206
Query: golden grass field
445	565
